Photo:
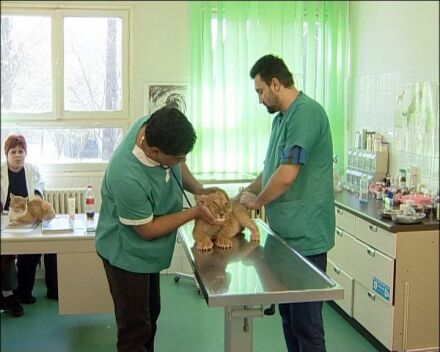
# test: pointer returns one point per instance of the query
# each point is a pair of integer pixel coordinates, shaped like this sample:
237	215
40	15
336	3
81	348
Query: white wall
389	36
394	48
161	50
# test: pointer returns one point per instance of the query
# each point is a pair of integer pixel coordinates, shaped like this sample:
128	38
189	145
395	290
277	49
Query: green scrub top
304	216
134	190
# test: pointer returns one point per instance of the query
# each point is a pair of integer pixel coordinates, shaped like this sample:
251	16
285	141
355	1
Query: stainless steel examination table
250	275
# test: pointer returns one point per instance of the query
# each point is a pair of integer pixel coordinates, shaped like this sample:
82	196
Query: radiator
58	198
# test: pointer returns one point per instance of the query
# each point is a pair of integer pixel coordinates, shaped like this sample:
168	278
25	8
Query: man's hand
249	200
236	198
204	213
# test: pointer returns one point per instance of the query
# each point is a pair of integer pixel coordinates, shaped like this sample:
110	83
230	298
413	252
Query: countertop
370	212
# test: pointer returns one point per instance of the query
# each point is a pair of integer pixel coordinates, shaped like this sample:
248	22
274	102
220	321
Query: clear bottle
369	140
336	179
363	189
436	207
90	203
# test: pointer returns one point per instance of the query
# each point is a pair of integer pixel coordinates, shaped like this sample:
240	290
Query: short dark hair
169	130
270	66
15	140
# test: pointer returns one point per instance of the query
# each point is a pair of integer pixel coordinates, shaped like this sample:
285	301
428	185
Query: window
64	81
26	64
92	61
227	37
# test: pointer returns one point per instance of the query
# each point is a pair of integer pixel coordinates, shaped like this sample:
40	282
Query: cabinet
373	313
391	281
346	281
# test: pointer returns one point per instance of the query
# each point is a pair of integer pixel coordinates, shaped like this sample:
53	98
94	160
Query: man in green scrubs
296	187
142	197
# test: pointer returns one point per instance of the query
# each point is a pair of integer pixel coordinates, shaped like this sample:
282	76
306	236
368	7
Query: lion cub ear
201	199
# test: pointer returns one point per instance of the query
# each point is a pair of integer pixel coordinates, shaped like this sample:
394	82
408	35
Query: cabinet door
342	254
376	237
374	314
345	220
82	284
373	269
346	281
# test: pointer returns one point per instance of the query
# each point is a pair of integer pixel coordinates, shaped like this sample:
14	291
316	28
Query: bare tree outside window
26	64
92	70
92	64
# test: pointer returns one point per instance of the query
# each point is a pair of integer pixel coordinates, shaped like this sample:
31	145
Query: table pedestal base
239	327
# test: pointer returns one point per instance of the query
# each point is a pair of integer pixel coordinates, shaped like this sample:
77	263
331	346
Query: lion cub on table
231	219
24	211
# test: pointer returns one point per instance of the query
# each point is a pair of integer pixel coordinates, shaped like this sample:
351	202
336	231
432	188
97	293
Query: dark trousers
136	298
302	322
27	267
8	273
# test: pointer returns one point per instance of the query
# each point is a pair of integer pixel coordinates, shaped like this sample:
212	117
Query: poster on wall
416	120
157	95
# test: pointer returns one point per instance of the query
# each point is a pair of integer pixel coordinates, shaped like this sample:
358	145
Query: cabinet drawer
345	220
376	237
373	269
373	314
346	281
342	254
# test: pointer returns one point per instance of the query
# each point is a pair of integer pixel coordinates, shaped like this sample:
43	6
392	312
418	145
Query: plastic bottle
90	203
369	140
336	179
363	189
436	210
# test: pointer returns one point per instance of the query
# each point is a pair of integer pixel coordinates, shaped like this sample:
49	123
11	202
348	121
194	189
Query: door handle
371	251
339	233
336	270
339	211
372	228
372	295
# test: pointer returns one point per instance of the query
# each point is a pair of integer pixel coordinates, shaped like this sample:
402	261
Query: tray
388	213
408	219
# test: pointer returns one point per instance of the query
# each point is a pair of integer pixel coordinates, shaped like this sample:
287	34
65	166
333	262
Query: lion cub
22	210
231	219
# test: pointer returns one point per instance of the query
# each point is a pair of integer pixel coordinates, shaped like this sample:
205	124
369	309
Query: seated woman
22	179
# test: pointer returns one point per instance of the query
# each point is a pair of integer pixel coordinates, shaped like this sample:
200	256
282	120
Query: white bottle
90	203
363	189
369	142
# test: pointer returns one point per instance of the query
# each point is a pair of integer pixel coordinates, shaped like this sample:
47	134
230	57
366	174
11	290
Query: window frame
59	117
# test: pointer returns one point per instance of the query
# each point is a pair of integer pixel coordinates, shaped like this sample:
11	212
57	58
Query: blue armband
294	155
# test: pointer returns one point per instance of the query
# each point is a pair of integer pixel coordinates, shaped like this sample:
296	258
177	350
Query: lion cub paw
223	243
255	236
204	245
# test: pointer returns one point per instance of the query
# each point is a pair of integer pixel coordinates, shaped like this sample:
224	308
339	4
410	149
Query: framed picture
157	95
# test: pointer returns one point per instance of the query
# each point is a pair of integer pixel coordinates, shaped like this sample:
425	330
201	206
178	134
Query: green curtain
227	37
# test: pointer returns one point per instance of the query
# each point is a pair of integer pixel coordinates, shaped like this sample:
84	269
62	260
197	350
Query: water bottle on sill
90	203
